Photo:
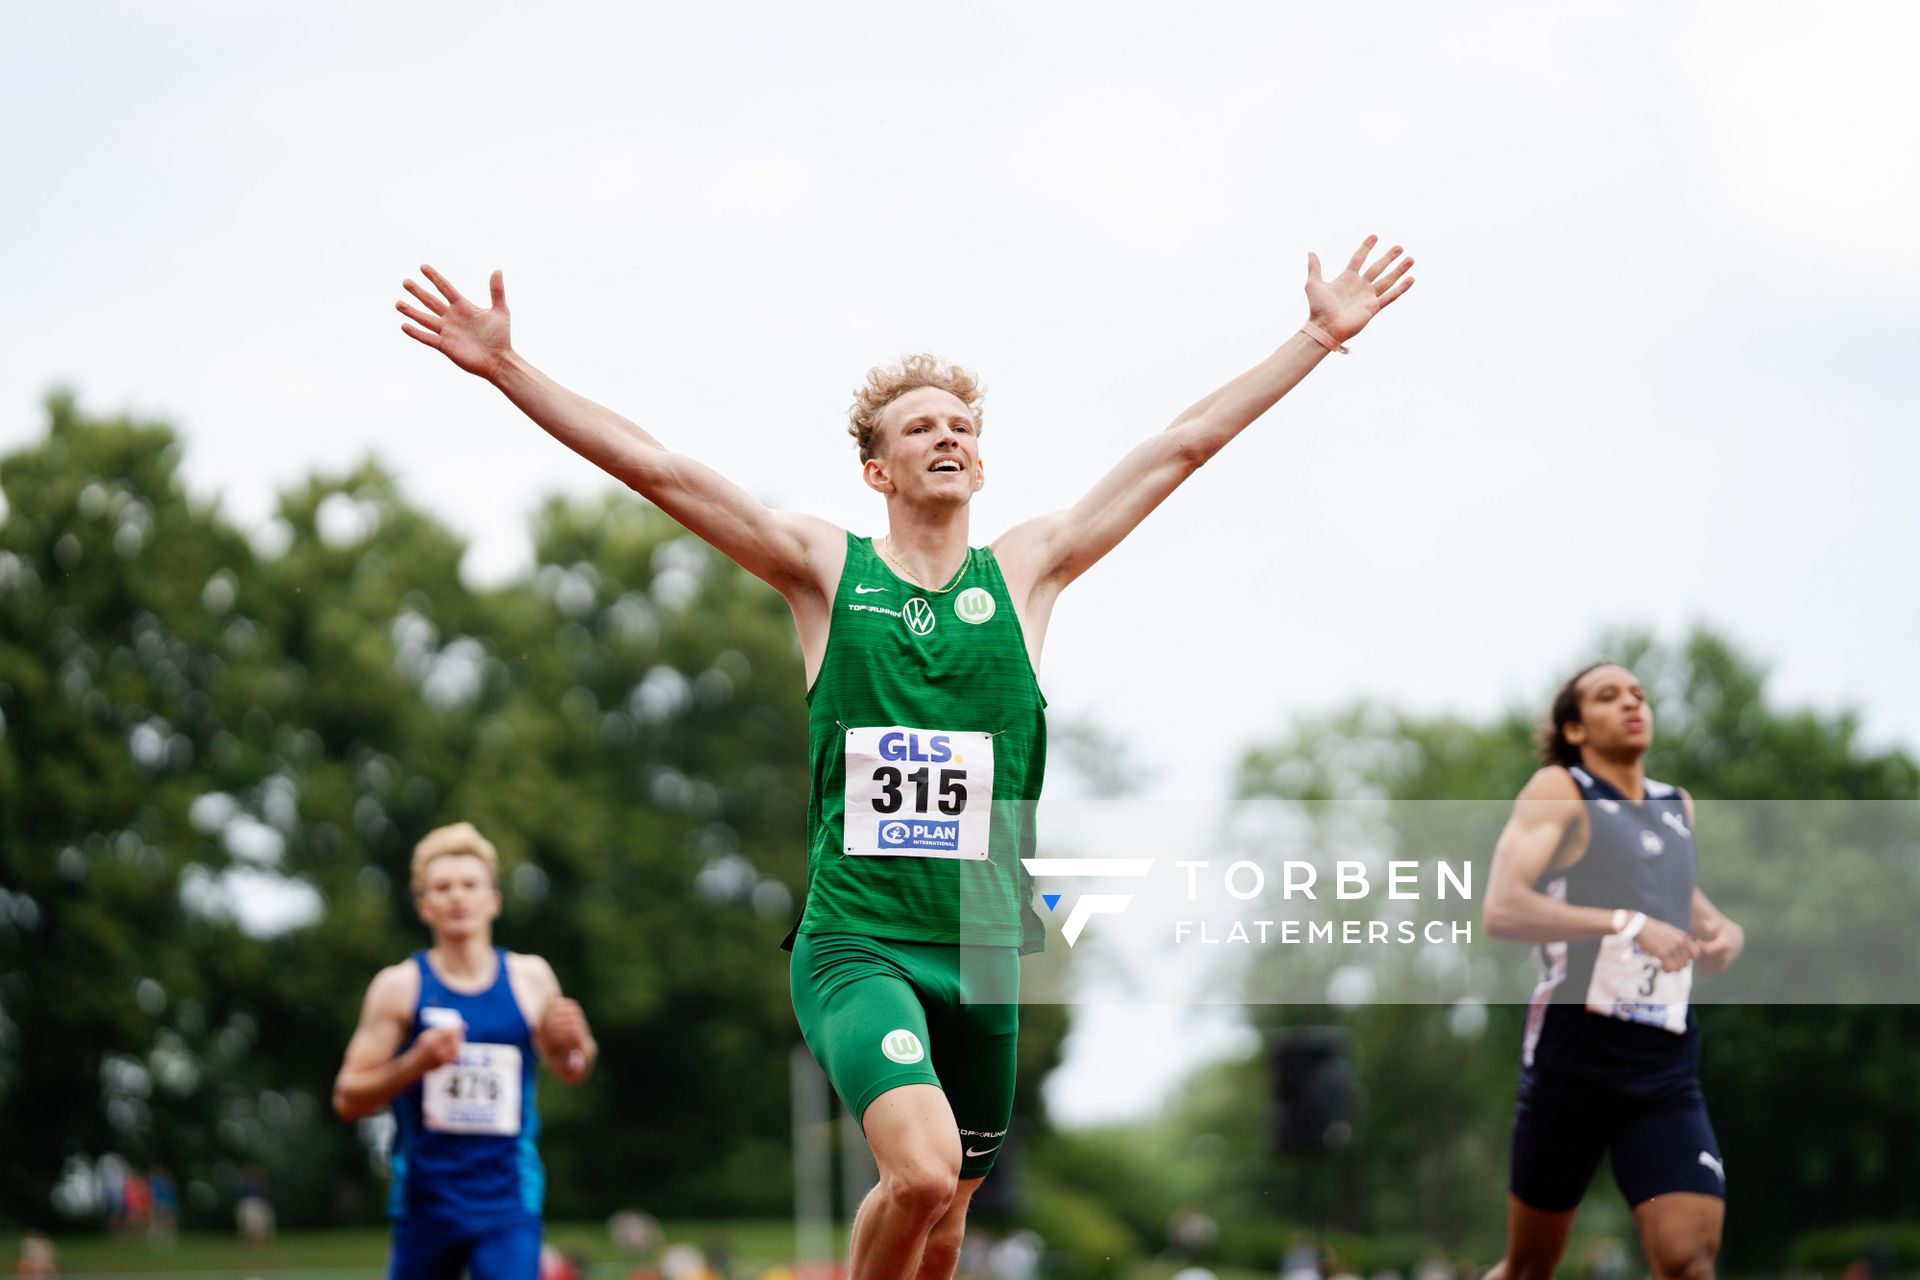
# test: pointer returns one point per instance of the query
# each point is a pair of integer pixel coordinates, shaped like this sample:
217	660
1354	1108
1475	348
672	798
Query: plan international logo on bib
928	837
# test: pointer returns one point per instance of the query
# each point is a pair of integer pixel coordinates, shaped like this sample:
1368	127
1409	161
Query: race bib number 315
1630	985
918	793
480	1093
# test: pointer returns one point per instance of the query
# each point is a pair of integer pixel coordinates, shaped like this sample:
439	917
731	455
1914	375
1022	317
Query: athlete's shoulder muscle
393	991
1547	830
825	546
385	1016
534	985
812	602
1025	554
1551	782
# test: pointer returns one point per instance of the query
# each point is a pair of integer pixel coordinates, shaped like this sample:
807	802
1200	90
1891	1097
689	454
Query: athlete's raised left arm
1053	550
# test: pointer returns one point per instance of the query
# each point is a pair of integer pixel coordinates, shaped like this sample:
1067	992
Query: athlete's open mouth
947	464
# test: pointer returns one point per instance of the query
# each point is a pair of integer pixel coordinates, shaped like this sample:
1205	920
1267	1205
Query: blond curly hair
443	842
889	382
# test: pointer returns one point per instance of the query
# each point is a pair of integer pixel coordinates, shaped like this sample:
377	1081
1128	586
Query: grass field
754	1245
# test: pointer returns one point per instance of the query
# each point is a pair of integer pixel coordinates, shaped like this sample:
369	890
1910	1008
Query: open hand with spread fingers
475	338
1342	306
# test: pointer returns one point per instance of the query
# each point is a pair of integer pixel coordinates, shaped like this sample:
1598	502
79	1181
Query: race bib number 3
918	793
478	1094
1630	984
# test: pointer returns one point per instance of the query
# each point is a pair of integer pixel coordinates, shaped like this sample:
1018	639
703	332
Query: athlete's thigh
1680	1231
911	1133
976	1040
1667	1145
509	1251
1536	1240
1560	1132
428	1250
860	1016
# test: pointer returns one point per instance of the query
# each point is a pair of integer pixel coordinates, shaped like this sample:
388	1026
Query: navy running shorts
1661	1143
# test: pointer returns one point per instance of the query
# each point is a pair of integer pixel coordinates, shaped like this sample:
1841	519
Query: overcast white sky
1660	365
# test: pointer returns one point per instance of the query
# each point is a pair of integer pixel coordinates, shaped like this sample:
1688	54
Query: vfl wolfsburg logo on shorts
902	1046
918	615
975	605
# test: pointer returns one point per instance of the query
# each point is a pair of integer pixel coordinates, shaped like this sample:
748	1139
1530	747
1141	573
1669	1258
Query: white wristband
1633	925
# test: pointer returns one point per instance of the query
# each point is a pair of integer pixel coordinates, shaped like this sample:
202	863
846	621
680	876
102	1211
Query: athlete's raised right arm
798	555
1547	818
371	1075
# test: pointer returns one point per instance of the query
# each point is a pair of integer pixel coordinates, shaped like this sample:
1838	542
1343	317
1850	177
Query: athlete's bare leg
1681	1234
1535	1241
916	1145
941	1258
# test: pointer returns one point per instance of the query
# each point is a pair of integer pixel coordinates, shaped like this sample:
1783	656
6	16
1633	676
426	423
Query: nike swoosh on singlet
861	591
990	1150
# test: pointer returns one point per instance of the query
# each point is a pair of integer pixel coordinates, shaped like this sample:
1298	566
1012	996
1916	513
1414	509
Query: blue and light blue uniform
467	1182
1591	1083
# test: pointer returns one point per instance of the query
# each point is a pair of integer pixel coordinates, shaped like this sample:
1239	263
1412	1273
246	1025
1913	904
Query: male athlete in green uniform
926	736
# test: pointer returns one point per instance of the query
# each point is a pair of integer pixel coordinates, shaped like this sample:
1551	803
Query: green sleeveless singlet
927	738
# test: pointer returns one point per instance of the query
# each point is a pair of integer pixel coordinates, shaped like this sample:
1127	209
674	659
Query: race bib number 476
479	1093
918	793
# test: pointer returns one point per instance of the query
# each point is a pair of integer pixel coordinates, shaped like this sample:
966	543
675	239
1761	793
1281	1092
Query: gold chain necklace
887	553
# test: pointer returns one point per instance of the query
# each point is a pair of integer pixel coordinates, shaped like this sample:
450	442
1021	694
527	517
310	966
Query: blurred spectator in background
137	1204
1016	1257
1606	1260
633	1233
37	1257
1301	1261
1191	1231
166	1206
113	1190
684	1262
253	1211
555	1265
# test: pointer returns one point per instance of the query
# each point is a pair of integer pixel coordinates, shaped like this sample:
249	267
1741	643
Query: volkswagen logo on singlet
918	615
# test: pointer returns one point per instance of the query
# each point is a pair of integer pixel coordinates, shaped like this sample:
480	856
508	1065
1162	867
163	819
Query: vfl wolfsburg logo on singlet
918	615
975	605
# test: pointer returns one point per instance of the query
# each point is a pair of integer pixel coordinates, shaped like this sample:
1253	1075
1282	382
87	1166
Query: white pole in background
812	1167
858	1173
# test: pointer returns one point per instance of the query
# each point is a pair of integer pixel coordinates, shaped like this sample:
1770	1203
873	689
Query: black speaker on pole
1313	1091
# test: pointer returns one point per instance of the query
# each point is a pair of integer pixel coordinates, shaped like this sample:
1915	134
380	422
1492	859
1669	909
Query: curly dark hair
1554	747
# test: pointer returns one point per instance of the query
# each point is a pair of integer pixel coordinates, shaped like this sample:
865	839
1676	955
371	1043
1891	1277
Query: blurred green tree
216	753
1805	1098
